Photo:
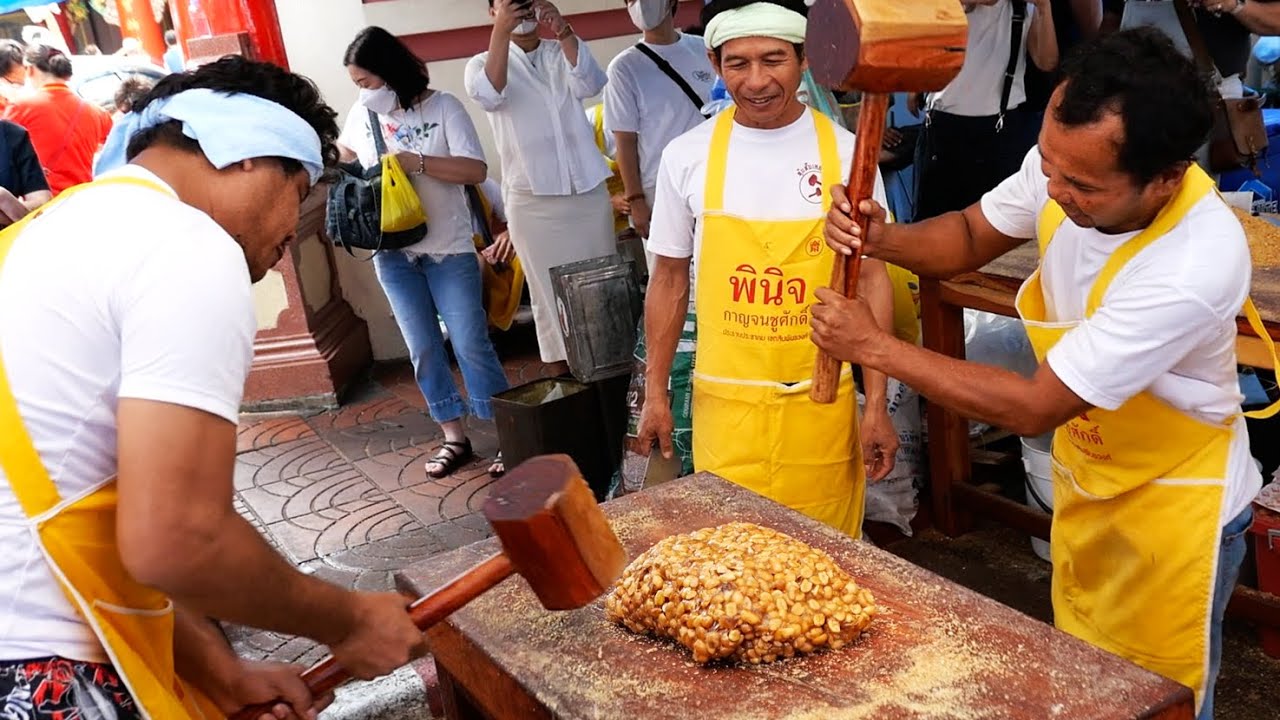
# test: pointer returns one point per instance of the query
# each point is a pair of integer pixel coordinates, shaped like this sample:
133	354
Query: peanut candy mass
741	592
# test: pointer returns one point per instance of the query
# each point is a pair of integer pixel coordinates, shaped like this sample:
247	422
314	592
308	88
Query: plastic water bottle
720	99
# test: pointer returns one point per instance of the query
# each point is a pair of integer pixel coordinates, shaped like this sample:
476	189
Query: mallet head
554	533
885	46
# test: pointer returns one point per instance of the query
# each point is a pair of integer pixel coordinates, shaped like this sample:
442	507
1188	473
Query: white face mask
383	100
648	14
526	27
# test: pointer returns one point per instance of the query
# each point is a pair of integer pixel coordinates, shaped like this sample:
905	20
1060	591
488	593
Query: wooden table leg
943	332
457	704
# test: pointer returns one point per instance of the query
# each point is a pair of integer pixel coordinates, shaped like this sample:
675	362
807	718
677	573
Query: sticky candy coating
741	592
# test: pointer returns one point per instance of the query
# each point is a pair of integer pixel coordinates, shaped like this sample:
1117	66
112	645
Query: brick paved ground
343	494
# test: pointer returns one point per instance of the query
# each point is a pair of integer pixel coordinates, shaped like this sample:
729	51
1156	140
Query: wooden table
993	289
938	651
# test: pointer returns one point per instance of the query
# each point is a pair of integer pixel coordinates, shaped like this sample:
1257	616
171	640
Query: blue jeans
448	287
1230	558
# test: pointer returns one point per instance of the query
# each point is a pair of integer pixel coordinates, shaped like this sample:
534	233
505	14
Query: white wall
317	32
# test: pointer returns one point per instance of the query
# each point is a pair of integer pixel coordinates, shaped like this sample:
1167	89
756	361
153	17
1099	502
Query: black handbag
353	217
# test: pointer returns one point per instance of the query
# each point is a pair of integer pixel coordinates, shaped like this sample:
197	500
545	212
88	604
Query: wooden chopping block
878	47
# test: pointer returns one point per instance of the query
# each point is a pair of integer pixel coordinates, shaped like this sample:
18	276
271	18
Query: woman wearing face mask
436	143
65	130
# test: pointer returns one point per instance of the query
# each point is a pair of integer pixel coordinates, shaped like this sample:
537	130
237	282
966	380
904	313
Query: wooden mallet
552	532
878	47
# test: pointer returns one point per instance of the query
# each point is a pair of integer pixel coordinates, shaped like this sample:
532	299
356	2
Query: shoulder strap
1195	185
479	211
1015	54
1199	51
665	67
375	127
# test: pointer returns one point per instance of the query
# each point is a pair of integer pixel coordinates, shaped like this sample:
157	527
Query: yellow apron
614	183
134	623
753	422
1138	495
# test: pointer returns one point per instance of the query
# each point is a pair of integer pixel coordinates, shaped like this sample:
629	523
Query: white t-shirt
544	141
153	305
438	126
642	99
975	92
770	175
1167	322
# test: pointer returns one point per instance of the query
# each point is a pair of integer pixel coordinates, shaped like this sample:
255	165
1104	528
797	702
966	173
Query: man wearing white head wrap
744	194
126	333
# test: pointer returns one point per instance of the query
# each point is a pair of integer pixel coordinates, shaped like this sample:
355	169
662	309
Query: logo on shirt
811	183
703	76
813	246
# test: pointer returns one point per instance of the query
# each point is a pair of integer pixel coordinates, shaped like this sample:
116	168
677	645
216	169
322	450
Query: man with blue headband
741	198
126	335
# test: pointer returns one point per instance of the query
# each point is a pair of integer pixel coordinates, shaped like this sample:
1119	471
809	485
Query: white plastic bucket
1036	462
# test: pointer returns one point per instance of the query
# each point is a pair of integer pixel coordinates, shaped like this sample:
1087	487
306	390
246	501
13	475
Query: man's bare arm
179	533
940	247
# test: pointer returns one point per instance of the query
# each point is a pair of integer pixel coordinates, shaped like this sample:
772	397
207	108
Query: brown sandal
451	456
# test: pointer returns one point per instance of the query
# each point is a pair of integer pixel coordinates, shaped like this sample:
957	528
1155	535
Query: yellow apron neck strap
828	152
26	474
1255	322
1051	218
718	161
1195	185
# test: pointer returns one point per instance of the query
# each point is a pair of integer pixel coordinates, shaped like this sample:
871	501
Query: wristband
634	197
566	33
422	164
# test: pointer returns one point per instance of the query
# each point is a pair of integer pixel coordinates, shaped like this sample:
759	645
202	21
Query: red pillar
264	27
136	21
256	17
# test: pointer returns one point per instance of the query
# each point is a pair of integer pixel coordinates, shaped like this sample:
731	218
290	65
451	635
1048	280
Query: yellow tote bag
401	207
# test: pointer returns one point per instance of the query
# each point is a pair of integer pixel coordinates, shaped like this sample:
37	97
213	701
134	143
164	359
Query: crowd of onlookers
576	184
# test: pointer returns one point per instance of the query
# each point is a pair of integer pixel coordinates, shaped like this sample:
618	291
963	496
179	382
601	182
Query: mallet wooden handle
862	185
327	674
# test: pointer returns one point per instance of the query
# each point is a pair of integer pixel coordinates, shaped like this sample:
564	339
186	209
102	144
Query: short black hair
170	38
131	91
236	74
11	56
1163	101
48	59
715	7
381	53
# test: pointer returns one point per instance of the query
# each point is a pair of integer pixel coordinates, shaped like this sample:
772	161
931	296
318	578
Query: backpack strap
1015	53
670	72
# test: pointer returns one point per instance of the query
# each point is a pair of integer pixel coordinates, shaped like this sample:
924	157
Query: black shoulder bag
354	212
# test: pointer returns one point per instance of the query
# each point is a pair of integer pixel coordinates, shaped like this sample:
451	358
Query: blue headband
229	127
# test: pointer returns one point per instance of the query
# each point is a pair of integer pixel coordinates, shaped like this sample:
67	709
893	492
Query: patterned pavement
343	494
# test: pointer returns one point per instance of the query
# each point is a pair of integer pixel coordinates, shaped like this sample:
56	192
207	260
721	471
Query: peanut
741	592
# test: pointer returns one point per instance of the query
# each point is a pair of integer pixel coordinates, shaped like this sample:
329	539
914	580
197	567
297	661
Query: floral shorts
60	689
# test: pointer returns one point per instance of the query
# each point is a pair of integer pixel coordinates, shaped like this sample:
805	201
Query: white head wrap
761	19
229	127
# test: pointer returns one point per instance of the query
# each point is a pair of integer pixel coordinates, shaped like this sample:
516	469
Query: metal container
598	304
556	415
